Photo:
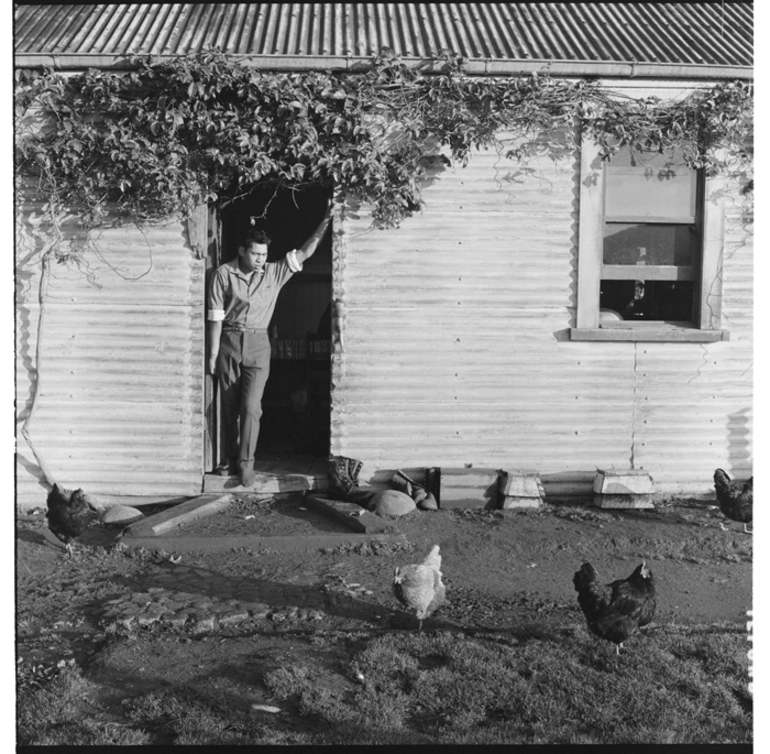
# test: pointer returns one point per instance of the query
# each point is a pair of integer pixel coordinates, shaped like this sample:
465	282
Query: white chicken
419	587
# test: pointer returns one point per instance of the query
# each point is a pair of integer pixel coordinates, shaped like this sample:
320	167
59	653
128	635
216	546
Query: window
650	241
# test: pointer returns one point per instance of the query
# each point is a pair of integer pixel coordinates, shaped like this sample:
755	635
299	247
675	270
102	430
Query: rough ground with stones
137	619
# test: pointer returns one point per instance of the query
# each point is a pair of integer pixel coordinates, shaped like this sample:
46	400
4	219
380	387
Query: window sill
654	334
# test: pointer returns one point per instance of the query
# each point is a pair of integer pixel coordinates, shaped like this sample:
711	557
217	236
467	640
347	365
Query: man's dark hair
257	236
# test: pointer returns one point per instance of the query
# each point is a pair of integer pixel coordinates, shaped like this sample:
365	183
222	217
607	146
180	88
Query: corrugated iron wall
455	346
694	406
120	411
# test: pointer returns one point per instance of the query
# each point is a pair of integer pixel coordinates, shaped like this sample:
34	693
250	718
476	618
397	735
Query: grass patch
182	717
57	713
666	689
671	684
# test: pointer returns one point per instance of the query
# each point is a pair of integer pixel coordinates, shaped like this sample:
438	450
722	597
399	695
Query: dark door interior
296	404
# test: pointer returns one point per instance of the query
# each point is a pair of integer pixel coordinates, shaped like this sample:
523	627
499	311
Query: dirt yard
507	573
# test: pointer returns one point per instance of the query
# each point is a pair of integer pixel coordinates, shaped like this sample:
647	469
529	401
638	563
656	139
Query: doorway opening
296	405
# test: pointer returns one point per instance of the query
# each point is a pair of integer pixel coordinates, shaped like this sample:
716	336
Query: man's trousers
243	366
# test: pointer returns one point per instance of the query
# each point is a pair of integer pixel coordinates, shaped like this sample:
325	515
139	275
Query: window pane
625	243
648	299
651	186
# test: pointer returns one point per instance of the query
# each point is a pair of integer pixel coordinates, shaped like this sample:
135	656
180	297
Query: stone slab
352	515
621	502
161	523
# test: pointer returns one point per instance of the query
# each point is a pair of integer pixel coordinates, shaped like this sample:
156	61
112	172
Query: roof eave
472	66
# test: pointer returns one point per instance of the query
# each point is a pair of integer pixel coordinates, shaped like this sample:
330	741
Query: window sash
590	249
643	219
663	190
648	272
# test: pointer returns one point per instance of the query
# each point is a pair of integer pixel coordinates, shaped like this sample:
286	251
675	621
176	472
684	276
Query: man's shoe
228	468
247	475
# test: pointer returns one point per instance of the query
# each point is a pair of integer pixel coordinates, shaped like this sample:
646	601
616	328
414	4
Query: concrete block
520	484
623	489
623	482
520	489
469	488
639	502
513	502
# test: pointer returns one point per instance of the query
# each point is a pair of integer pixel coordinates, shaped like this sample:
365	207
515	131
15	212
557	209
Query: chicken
69	514
631	603
735	498
419	587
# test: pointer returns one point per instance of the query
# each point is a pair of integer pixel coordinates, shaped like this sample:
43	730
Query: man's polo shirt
247	301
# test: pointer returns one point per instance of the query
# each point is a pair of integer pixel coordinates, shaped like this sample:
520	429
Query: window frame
708	293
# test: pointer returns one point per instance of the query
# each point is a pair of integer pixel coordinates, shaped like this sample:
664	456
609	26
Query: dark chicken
69	514
736	499
630	604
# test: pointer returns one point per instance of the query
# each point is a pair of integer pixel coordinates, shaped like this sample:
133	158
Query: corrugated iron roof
705	33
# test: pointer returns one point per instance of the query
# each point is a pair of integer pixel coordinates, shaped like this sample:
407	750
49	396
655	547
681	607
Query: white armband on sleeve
294	264
216	315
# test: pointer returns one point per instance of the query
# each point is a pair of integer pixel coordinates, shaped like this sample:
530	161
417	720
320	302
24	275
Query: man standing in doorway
242	298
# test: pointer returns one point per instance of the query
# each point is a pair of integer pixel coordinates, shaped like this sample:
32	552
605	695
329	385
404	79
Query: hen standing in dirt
631	604
69	514
736	499
419	587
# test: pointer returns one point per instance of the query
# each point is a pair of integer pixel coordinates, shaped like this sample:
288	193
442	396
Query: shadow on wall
27	273
739	441
32	468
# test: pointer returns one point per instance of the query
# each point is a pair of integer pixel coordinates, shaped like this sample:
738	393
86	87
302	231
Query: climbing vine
163	137
160	138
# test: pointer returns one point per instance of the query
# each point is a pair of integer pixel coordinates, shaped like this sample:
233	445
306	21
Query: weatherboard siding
120	409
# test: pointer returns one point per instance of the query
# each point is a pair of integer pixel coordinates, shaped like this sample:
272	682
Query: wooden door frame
212	429
209	222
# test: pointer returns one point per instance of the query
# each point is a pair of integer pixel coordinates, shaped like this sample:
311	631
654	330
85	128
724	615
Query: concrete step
266	483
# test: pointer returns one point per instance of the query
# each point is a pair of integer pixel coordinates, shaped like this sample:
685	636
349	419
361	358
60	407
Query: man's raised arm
308	248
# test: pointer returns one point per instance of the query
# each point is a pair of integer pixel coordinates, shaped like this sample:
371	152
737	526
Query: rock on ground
121	515
391	503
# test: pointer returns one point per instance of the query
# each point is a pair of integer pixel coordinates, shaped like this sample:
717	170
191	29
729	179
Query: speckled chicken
736	499
419	587
630	604
69	514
